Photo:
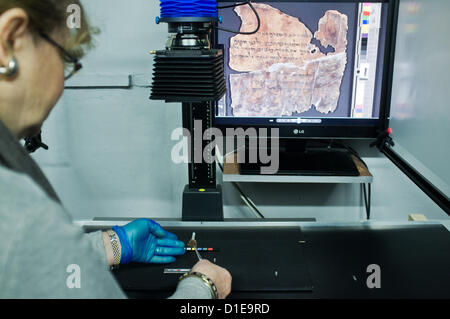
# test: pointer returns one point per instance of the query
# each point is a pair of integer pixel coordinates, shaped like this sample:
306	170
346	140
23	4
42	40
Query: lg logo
296	131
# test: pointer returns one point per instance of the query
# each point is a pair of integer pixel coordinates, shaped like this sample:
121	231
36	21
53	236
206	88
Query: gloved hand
145	241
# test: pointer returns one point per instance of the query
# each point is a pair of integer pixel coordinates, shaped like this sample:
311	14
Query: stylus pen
193	244
198	254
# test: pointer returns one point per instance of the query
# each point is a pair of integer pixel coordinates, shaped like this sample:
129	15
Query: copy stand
191	72
202	197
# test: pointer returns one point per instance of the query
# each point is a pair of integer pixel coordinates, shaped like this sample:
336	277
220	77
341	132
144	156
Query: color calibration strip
202	249
365	30
358	111
366	59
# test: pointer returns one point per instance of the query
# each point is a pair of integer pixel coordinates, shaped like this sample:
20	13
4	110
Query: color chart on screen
366	61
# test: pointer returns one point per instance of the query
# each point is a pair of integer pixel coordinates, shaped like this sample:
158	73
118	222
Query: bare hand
219	276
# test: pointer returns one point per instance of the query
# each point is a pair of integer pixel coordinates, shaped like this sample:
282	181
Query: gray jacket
42	253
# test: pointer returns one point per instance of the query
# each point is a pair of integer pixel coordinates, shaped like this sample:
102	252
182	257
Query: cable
239	32
367	192
245	198
350	150
353	152
250	205
233	5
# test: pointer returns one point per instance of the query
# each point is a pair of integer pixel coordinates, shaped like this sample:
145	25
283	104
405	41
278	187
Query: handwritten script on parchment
284	71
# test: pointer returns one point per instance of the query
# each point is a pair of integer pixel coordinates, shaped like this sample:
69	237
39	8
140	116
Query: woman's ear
13	32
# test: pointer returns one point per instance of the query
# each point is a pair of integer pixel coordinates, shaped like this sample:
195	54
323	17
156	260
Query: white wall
420	103
110	148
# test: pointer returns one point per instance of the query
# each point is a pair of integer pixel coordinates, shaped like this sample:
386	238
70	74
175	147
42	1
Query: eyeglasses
67	57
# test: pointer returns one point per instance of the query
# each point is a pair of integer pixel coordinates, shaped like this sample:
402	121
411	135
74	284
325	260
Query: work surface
310	261
259	259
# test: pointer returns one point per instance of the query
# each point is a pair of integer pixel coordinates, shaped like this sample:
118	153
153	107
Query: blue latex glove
145	241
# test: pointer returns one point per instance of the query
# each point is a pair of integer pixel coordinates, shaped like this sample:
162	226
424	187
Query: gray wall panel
421	93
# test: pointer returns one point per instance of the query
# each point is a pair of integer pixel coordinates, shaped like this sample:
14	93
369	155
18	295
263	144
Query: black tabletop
312	262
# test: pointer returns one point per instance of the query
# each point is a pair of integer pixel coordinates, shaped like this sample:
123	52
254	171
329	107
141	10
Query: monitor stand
307	157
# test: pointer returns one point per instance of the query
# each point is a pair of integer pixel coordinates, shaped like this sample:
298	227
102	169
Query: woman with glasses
42	253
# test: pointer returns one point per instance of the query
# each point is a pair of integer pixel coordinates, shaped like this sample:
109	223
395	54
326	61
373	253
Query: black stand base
202	204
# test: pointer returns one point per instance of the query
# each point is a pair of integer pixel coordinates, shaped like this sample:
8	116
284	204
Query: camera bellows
188	76
188	8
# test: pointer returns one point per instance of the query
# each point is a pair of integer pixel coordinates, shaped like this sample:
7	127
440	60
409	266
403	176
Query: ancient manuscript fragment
285	72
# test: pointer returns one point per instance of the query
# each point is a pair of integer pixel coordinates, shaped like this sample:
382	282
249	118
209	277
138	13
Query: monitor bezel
359	131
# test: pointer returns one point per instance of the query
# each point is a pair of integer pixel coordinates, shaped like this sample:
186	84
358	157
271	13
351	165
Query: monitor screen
316	64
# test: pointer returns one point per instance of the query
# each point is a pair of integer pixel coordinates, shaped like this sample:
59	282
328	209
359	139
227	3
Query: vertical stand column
202	197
